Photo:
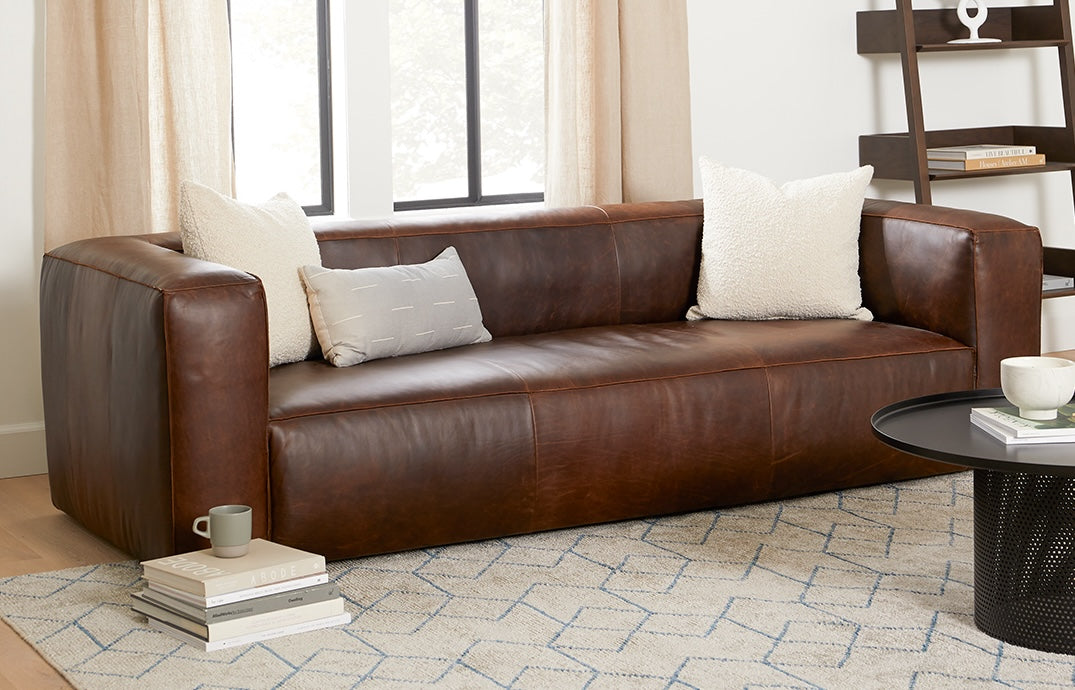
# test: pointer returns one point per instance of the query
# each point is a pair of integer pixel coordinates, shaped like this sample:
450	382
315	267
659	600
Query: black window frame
326	206
474	196
324	91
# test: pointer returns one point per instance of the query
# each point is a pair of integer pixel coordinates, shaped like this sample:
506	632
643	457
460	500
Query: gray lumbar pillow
369	313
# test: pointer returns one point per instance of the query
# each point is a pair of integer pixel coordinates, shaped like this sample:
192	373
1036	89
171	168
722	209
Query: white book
239	595
204	574
214	632
978	151
1011	439
1053	282
328	622
1007	419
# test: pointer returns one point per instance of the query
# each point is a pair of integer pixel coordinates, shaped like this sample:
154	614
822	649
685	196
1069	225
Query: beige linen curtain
617	102
137	98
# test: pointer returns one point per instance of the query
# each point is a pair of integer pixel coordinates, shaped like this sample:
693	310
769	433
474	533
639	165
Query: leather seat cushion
587	357
588	425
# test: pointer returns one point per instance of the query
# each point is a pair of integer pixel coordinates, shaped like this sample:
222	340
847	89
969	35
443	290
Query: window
462	98
467	104
281	101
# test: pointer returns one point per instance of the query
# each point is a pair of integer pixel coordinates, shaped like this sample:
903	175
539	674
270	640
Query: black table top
938	427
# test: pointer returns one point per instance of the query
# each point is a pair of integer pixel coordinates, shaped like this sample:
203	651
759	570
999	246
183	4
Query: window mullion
474	149
324	92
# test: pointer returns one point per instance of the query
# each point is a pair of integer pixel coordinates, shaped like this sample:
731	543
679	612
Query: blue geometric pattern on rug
864	588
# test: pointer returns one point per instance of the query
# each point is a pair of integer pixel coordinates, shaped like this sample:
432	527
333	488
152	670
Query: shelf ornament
973	23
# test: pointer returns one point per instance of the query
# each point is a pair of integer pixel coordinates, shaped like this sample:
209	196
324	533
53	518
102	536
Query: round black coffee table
1024	515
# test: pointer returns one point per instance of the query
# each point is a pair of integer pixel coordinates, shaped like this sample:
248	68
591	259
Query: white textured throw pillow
788	252
270	240
369	313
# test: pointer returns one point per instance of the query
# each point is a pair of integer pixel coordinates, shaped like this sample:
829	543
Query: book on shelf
1027	161
1054	282
978	151
205	575
238	641
240	609
1006	424
243	625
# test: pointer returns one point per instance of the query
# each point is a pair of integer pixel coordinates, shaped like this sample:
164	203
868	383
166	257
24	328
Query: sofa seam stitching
172	509
772	424
976	246
975	230
530	392
535	508
163	290
395	232
619	272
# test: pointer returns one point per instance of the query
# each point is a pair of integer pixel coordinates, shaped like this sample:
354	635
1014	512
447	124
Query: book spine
240	595
1005	162
179	608
151	612
242	626
272	602
1016	426
275	619
990	429
1011	439
1051	282
223	583
974	154
1012	424
194	640
990	163
247	607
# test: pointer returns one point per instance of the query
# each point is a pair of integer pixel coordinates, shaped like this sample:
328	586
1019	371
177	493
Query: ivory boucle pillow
369	313
270	240
788	252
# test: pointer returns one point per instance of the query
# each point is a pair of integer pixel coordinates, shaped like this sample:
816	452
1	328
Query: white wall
22	444
778	87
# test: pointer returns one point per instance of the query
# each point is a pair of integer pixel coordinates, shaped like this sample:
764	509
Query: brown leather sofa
595	400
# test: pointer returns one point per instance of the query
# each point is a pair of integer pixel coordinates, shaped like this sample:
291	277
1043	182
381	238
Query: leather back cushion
542	270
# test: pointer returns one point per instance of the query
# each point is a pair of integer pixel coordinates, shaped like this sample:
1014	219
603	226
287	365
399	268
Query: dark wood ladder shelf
902	155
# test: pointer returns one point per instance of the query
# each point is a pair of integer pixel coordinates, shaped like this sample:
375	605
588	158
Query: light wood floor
35	538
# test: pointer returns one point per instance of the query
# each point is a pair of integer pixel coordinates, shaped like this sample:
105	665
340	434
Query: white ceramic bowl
1037	385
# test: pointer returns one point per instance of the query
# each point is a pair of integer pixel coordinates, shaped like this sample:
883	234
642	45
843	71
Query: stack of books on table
1005	424
983	157
214	603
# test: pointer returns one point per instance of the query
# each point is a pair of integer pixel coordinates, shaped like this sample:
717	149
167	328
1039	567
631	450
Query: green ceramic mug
228	529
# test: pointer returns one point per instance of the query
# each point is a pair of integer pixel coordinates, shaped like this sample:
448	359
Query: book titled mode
202	574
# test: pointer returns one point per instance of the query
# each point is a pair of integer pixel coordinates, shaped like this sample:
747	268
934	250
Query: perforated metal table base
1024	515
1024	559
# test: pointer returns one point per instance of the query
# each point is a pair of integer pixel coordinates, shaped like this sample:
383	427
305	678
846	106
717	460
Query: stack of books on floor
983	157
1005	424
215	603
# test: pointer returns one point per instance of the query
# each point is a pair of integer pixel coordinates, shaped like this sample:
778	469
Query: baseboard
22	449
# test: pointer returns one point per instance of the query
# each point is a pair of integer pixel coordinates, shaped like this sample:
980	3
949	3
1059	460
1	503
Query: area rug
866	588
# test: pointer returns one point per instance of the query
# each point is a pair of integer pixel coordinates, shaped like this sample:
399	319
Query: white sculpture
973	23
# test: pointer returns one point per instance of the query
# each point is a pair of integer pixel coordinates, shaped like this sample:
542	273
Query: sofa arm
974	277
155	386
